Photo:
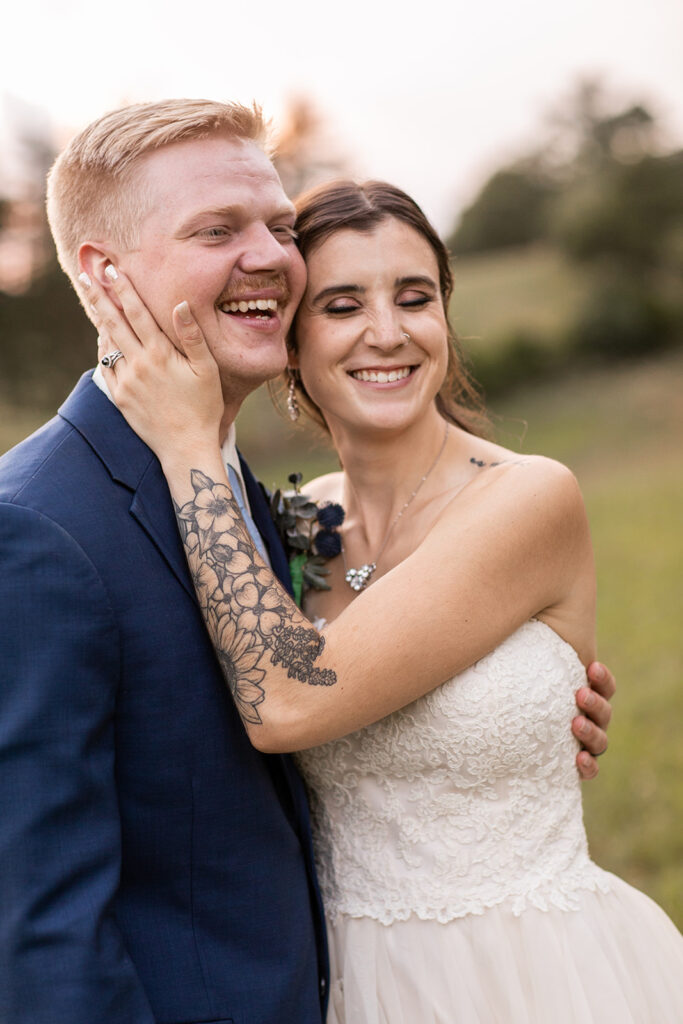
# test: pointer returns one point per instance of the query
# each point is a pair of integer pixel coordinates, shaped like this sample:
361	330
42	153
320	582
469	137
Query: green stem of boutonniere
308	533
296	565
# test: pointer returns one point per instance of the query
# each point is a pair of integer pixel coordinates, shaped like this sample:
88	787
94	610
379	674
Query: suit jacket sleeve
62	957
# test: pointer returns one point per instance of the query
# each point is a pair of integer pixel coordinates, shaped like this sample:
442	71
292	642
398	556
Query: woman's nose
385	332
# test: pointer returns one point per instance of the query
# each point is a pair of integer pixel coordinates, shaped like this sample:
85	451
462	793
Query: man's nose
262	251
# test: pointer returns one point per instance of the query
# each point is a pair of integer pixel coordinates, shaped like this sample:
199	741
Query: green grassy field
620	429
534	290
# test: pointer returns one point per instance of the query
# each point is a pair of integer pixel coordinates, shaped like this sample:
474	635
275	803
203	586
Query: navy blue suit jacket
154	867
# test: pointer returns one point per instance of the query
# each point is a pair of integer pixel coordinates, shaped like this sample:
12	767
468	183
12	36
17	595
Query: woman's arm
422	623
516	542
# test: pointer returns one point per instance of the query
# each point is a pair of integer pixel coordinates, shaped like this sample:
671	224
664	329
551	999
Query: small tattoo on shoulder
480	463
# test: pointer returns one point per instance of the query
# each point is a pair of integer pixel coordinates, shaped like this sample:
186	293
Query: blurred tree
584	147
602	190
630	212
511	209
306	150
46	340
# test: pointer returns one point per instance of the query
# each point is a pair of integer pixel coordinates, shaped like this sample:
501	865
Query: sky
432	95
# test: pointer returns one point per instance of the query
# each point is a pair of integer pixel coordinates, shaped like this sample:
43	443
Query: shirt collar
231	458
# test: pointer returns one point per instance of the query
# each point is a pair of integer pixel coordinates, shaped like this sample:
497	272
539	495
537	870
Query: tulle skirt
616	960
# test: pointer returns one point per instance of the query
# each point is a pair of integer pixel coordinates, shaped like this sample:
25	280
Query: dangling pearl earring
292	400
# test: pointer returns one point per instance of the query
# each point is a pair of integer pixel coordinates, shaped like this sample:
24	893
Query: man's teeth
380	376
252	304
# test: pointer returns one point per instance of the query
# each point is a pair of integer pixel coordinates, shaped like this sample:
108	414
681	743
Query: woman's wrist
179	464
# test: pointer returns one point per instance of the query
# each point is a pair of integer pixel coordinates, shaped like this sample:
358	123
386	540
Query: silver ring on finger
111	358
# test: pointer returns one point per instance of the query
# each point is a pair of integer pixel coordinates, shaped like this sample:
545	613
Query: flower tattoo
251	620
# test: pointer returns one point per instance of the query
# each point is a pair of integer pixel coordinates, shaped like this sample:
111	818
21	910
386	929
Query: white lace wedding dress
454	867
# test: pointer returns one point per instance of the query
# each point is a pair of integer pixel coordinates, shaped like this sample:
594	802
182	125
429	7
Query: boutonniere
309	534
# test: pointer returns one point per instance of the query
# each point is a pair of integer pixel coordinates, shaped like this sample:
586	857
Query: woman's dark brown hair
341	205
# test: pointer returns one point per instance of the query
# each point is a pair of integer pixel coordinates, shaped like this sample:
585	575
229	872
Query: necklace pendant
358	579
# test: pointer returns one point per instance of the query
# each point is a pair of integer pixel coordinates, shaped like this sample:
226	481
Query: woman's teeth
381	376
251	305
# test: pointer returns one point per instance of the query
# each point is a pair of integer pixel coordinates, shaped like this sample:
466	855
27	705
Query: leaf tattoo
250	618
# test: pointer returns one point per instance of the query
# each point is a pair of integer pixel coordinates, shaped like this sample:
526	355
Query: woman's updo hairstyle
341	205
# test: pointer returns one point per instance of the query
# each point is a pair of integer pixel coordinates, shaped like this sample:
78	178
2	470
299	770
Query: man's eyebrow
227	213
334	289
193	221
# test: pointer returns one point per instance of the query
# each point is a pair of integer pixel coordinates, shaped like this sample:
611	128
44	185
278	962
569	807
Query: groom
154	867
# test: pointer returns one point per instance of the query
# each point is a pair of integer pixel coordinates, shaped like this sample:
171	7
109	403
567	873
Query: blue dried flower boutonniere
309	534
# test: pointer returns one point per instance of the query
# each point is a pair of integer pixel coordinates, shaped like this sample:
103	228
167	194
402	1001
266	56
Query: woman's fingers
590	727
587	765
191	339
110	322
146	330
602	680
169	391
594	706
592	736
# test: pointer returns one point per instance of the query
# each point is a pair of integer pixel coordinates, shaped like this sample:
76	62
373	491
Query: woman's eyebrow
334	289
400	282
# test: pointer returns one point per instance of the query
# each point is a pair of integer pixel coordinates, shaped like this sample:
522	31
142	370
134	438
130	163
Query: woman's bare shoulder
487	454
325	488
525	488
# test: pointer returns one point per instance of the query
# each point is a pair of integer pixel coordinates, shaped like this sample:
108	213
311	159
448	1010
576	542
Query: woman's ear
93	260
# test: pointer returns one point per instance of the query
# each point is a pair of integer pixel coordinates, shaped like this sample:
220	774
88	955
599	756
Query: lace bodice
466	799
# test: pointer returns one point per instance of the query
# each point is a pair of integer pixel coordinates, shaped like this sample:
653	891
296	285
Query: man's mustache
251	283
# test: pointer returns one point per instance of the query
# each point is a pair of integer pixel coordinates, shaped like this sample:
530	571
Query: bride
447	810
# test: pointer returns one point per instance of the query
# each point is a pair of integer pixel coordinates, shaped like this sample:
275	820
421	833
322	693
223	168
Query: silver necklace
358	579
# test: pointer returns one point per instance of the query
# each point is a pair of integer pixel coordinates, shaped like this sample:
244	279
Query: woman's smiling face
366	291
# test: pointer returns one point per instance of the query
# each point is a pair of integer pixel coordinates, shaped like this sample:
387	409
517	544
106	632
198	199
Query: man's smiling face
219	234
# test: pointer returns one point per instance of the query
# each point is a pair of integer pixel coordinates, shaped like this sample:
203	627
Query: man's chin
237	384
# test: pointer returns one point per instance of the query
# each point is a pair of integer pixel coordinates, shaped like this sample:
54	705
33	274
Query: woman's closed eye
413	299
338	307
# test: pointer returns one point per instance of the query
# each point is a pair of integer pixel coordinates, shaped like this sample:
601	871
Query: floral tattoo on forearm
251	619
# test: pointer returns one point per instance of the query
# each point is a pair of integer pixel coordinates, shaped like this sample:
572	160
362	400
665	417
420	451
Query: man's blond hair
92	191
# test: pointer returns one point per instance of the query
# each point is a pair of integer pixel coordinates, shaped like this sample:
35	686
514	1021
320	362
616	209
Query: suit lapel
132	465
152	507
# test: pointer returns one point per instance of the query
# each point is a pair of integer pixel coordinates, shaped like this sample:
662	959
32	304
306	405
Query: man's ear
93	259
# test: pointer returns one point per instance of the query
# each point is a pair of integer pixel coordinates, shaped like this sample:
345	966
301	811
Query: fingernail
93	309
599	672
583	726
183	311
110	271
589	699
84	279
